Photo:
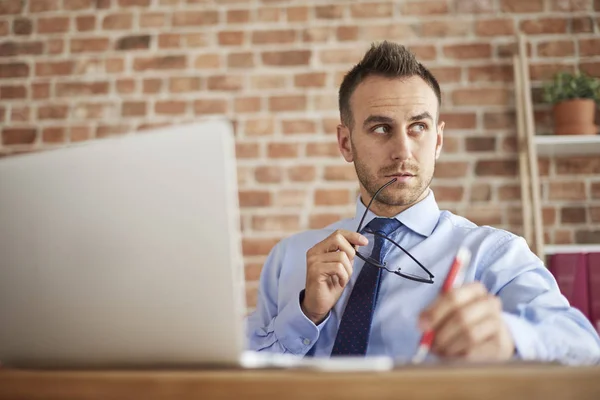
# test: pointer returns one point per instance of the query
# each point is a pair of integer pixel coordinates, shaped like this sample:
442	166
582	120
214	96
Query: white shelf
565	145
571	248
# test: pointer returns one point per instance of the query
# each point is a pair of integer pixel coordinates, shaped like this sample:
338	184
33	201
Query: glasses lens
382	251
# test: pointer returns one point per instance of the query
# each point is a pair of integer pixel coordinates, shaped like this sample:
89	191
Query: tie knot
384	225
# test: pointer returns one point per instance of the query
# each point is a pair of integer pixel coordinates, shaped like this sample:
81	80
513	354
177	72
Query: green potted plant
574	97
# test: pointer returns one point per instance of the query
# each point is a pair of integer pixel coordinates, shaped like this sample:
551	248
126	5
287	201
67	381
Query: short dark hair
387	59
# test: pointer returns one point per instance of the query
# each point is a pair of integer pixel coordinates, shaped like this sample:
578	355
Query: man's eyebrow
380	119
419	117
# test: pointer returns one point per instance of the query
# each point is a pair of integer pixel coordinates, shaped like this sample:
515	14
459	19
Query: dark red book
571	273
593	265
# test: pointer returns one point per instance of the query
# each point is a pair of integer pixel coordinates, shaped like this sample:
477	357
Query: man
326	292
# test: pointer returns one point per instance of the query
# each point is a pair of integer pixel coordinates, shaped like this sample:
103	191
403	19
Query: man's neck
386	210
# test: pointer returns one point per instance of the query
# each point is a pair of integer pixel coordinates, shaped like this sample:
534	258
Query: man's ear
440	139
344	142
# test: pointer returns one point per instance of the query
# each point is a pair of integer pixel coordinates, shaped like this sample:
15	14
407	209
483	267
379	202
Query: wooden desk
491	382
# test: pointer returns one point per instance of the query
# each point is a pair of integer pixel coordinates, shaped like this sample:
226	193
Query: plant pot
575	117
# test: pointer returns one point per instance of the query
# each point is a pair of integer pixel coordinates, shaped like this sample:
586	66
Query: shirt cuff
294	330
524	336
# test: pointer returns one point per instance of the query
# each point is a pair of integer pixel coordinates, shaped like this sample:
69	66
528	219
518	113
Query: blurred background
77	70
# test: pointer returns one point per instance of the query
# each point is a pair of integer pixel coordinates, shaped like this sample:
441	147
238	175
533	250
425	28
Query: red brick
590	68
134	3
153	19
151	85
240	60
282	150
310	79
578	166
331	197
76	5
595	214
20	114
133	42
495	27
238	16
448	193
274	36
287	103
16	136
563	236
12	6
340	56
496	168
547	71
125	86
20	26
258	246
85	23
468	51
231	38
330	125
276	223
210	106
573	215
134	109
114	65
270	81
269	14
566	191
184	84
457	120
53	25
425	52
302	173
286	58
268	174
54	111
320	221
117	21
582	24
558	48
259	127
103	131
297	14
451	169
12	92
69	89
475	6
38	6
447	74
484	215
520	6
302	126
329	11
587	236
225	82
207	61
80	133
159	63
489	96
339	173
40	90
499	120
544	25
170	107
195	18
54	68
89	45
428	7
480	144
254	198
347	33
247	150
247	104
371	10
480	192
396	31
589	47
53	135
491	73
169	40
444	28
318	34
571	5
327	149
11	49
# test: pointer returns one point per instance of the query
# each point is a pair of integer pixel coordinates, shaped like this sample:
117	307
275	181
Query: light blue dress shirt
543	325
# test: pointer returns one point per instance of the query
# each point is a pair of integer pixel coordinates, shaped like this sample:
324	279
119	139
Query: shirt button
306	342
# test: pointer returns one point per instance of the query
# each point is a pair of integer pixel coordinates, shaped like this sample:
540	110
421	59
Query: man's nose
400	147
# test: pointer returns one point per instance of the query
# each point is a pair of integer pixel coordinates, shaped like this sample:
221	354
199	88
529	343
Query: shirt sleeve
540	319
278	326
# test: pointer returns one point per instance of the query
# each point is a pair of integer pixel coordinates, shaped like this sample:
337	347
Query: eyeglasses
370	260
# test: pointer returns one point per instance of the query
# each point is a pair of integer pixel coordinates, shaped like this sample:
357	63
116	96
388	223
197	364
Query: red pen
455	278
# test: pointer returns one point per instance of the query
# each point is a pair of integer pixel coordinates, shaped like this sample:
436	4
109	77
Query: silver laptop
123	252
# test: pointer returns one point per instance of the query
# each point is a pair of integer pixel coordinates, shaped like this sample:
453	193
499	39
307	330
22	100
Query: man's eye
382	129
418	128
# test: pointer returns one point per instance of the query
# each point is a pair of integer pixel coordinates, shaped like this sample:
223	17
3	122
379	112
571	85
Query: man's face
395	135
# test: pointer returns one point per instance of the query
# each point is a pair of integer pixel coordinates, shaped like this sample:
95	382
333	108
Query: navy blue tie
355	327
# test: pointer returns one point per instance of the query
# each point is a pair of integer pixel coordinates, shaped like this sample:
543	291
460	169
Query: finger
334	269
447	303
459	323
338	256
477	335
340	240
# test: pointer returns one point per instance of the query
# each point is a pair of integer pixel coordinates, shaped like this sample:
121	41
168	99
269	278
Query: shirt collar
421	218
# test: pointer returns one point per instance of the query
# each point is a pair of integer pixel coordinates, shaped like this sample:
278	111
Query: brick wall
74	70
